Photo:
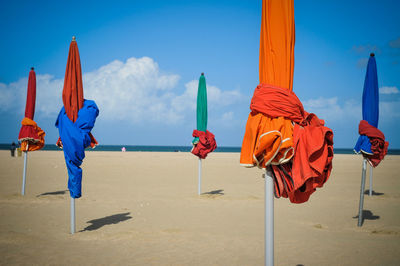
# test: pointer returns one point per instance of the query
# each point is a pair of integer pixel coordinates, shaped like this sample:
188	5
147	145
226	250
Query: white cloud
348	111
388	90
48	95
215	97
133	91
228	116
331	110
389	110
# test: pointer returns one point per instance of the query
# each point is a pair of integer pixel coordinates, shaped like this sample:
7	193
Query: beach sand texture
142	208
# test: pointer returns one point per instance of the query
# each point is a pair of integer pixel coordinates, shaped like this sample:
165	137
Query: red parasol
72	94
31	136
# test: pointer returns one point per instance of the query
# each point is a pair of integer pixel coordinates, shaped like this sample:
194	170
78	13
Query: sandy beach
142	208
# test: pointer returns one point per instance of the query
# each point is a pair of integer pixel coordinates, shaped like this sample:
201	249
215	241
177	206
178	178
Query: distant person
123	149
13	147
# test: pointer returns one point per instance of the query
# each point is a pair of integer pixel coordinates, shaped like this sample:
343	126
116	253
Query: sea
150	148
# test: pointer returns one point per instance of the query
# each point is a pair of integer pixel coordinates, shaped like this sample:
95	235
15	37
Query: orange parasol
279	132
267	139
294	146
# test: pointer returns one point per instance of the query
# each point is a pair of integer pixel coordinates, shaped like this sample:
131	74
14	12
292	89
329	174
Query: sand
142	208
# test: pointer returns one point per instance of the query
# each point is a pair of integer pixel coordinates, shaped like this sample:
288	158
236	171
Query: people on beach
12	148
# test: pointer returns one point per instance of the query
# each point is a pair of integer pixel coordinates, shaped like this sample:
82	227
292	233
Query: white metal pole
72	215
370	180
24	173
269	218
199	186
360	210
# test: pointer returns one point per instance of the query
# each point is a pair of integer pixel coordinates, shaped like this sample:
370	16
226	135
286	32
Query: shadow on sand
367	215
218	192
60	192
112	219
373	193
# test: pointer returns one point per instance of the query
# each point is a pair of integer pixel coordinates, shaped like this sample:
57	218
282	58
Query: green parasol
201	107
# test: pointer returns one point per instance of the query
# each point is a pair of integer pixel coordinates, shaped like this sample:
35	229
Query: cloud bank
133	91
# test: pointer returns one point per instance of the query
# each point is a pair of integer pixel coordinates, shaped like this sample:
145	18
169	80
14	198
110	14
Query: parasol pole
360	210
269	218
370	180
72	215
199	186
24	173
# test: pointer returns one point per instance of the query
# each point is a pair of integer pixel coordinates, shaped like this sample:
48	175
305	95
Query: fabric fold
31	135
205	145
75	137
371	143
312	143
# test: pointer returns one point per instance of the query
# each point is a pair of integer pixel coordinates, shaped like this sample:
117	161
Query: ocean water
117	148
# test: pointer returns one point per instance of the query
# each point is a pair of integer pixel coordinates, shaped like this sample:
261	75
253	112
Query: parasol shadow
60	192
218	192
112	219
366	192
367	215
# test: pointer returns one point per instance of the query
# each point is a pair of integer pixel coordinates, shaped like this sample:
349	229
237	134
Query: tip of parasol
73	38
32	68
372	54
202	73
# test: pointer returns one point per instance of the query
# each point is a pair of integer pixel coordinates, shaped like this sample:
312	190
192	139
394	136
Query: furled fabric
36	141
269	139
75	137
371	141
313	143
205	145
72	94
376	140
279	133
201	112
370	104
30	135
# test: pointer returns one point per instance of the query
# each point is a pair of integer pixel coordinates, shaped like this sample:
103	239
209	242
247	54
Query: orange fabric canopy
270	140
279	132
34	144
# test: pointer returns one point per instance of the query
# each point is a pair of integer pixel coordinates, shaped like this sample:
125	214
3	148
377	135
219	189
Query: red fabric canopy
72	94
30	133
205	145
313	144
378	144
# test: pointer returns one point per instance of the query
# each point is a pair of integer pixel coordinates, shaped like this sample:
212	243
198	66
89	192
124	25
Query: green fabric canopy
201	106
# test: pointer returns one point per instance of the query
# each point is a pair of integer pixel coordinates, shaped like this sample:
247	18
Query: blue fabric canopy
370	104
75	138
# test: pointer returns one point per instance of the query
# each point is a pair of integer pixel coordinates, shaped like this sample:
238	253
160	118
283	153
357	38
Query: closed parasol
204	141
371	142
294	146
74	122
31	135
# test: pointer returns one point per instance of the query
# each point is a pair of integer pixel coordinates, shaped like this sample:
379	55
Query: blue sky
142	59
